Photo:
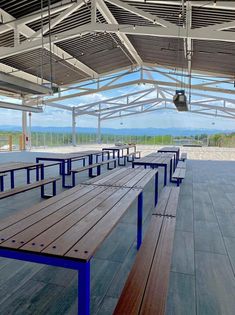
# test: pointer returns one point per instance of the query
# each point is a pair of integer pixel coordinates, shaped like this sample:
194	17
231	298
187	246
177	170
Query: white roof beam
21	107
58	19
113	28
27	46
124	39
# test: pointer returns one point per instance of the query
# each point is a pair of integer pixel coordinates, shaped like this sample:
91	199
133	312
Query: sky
159	119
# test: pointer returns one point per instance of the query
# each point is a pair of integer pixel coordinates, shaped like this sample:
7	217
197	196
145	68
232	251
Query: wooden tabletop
161	159
125	177
70	155
120	147
14	166
72	224
170	149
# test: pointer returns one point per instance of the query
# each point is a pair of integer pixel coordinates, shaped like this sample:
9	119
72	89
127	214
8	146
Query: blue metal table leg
156	188
165	175
84	289
63	173
90	162
12	179
139	220
171	171
37	170
2	183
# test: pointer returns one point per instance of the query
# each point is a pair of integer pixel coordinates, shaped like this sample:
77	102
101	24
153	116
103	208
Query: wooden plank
20	189
20	233
105	176
86	247
80	212
48	206
141	179
131	297
163	200
157	286
173	202
70	237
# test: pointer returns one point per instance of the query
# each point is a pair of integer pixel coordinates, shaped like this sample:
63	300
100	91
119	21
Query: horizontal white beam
21	107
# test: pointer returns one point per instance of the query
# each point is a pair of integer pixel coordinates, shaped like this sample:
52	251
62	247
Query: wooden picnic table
127	177
119	149
66	160
155	162
67	229
11	167
162	154
175	150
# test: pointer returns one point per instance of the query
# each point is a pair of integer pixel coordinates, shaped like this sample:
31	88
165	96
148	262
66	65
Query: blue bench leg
178	182
139	220
98	170
54	188
12	179
73	179
84	289
1	183
156	188
42	191
60	169
28	176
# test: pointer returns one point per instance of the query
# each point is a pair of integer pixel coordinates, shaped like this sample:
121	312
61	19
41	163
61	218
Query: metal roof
94	53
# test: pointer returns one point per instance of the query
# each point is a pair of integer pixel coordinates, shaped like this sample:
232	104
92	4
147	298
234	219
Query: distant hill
123	131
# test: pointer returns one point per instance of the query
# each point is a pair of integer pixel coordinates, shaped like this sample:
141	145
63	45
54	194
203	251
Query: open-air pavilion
85	249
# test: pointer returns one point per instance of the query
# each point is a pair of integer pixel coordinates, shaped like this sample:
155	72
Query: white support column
74	127
99	130
30	131
24	129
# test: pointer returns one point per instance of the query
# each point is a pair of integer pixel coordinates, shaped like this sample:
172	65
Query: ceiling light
214	3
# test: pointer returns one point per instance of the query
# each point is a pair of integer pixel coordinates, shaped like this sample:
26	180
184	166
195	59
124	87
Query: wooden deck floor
203	265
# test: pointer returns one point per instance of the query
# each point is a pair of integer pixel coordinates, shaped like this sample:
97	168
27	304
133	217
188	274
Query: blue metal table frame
155	165
175	151
118	150
39	172
66	162
83	267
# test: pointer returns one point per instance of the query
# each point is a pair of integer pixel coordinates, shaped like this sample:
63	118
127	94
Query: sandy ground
194	153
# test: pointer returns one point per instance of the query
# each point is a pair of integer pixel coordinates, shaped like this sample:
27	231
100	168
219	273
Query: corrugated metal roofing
105	52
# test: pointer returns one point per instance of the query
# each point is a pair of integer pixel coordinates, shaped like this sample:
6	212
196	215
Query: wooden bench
41	183
183	157
146	288
129	157
96	165
181	164
2	181
179	175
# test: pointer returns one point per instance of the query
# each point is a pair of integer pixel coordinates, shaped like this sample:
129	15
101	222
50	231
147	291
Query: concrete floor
203	264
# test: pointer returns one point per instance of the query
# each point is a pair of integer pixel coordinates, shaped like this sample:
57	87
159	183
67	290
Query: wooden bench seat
183	156
146	289
179	175
167	205
181	164
41	183
91	166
